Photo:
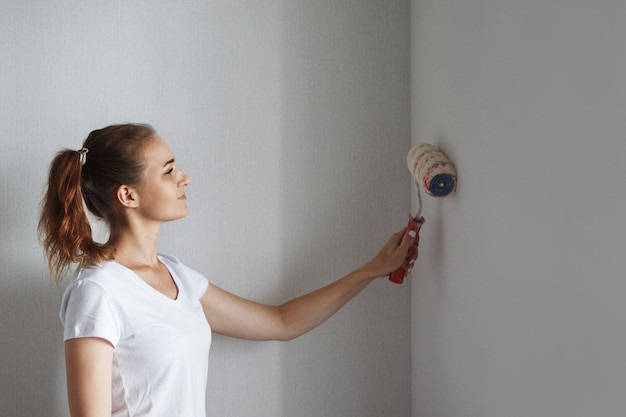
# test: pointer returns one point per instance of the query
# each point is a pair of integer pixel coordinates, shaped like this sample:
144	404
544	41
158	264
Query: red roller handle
399	274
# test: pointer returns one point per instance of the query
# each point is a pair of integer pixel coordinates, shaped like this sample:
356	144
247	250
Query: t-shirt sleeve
87	311
199	283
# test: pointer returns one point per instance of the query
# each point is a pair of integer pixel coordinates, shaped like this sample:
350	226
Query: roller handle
399	274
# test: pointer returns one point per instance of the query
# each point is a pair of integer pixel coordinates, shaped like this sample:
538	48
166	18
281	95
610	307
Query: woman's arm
88	363
237	317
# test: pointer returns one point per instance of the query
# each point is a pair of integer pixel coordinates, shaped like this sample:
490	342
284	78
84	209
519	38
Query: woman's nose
185	180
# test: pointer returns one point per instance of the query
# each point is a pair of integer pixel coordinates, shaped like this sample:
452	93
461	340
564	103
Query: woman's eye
169	171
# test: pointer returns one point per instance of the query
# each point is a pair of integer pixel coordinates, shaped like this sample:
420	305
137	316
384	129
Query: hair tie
83	155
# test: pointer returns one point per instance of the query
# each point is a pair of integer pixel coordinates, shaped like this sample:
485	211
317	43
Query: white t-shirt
160	360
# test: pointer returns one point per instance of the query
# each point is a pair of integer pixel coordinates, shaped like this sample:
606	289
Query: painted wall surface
290	117
518	298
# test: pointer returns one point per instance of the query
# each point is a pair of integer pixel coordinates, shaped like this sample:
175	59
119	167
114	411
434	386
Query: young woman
137	324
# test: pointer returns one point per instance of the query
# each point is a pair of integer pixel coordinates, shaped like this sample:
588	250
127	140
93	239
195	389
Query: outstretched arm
233	316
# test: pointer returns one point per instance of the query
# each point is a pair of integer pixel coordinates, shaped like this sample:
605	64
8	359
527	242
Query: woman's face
161	195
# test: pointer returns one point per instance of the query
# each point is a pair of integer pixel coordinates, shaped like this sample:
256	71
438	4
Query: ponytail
64	228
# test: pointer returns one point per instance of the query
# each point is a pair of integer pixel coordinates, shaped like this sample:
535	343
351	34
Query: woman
137	324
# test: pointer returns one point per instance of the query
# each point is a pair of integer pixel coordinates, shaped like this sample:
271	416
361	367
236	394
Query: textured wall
290	117
518	302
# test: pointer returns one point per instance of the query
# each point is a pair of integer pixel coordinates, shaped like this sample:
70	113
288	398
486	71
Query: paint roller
433	171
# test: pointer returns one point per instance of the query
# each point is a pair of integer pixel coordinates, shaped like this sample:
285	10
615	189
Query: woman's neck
135	249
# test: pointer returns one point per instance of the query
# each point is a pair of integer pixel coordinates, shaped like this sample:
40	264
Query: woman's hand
394	252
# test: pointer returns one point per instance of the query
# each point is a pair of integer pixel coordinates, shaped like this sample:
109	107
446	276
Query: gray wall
290	117
518	299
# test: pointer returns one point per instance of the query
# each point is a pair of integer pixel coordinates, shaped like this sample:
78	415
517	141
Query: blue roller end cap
441	185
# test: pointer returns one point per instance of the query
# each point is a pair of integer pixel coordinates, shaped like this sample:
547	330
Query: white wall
518	299
290	117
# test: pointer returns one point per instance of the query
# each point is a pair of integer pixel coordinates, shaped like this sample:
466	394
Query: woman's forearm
306	312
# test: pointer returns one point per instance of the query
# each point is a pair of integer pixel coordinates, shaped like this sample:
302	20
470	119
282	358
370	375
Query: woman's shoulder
169	259
96	272
105	275
175	263
188	276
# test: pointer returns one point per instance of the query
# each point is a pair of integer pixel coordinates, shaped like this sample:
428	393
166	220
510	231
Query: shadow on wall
31	361
344	126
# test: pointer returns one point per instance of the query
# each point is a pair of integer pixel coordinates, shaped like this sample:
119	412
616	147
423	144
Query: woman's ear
127	196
